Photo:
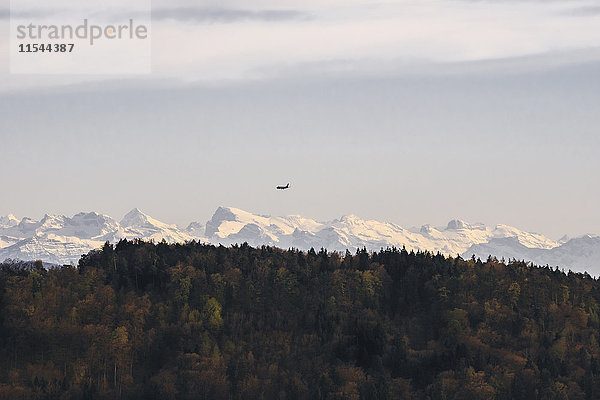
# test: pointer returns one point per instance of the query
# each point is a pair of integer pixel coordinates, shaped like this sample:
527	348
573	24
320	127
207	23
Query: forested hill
159	321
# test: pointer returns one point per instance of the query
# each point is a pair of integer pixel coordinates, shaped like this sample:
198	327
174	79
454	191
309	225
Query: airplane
283	187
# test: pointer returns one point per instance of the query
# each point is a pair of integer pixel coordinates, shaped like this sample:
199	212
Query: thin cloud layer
231	42
207	15
358	35
587	11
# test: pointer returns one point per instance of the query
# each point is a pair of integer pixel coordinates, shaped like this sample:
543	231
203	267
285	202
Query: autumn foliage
140	320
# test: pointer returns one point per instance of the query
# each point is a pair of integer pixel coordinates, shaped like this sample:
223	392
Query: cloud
207	15
587	11
191	14
7	13
206	44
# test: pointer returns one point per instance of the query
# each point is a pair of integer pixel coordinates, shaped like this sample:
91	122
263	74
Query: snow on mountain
231	225
6	241
59	239
83	225
578	254
90	226
196	229
8	221
458	236
50	248
62	240
136	224
527	239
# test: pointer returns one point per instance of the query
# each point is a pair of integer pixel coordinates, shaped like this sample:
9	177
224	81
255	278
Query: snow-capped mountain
136	224
196	229
8	221
50	248
60	239
231	225
578	254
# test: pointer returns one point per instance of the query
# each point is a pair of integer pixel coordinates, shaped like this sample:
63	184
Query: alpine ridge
59	239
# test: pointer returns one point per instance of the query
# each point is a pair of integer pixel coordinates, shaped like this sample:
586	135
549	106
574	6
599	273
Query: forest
144	320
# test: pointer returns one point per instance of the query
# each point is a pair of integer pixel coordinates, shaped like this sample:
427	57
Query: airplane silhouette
284	187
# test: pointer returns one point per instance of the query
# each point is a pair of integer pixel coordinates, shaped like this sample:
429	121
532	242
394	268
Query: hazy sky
412	112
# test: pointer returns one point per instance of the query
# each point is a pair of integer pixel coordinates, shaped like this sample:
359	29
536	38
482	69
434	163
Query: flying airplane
283	187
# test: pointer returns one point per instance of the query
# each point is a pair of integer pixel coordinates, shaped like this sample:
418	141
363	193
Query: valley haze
58	239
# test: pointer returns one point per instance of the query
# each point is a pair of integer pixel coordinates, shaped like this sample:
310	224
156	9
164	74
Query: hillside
168	321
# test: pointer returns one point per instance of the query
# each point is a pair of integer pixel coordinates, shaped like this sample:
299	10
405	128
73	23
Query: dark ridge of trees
139	320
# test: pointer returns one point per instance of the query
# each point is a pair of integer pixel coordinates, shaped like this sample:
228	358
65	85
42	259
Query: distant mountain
231	225
62	240
578	254
59	239
8	221
136	224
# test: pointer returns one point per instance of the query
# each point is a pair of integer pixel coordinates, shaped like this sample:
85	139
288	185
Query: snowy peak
196	229
8	221
59	239
528	239
221	215
350	219
89	225
27	225
135	224
229	223
427	229
135	218
456	224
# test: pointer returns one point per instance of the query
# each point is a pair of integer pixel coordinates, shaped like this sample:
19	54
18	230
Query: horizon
439	226
62	239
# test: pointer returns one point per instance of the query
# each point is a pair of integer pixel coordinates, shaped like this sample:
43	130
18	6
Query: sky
411	112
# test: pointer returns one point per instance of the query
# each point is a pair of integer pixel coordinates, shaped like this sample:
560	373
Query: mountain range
59	239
